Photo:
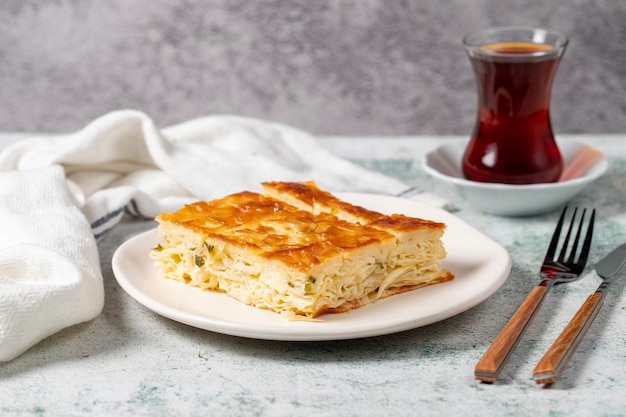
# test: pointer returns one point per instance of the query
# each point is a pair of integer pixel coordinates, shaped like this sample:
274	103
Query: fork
553	271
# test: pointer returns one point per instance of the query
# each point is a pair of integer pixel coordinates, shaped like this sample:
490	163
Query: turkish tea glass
512	141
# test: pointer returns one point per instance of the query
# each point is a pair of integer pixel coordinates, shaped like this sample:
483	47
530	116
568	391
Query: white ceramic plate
480	266
444	163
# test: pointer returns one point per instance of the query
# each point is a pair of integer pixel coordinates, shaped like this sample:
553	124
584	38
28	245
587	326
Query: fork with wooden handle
553	271
550	367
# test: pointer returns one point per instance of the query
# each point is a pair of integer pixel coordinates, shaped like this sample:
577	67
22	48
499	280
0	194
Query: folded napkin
122	163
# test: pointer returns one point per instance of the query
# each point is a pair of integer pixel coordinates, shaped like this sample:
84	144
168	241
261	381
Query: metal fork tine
584	253
567	236
555	237
572	253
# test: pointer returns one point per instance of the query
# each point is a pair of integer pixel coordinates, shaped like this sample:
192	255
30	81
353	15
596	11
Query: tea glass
512	141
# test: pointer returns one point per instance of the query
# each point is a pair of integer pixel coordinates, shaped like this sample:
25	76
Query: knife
549	368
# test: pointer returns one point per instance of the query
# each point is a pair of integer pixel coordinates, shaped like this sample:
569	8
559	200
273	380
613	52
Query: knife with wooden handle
549	368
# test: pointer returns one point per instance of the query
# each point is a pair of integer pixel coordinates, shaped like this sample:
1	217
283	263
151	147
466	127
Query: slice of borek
277	251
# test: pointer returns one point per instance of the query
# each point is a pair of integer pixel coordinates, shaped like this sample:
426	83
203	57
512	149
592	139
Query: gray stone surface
331	67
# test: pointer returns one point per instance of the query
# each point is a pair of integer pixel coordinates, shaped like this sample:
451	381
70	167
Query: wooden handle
553	362
489	366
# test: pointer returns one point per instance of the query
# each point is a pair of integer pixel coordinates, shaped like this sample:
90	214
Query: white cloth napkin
49	267
123	163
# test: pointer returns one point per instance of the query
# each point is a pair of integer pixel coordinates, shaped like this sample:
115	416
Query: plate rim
312	331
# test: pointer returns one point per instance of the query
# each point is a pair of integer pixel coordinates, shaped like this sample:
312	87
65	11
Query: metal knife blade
612	264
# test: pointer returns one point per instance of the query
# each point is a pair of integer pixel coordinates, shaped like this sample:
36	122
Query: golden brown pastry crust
308	197
274	230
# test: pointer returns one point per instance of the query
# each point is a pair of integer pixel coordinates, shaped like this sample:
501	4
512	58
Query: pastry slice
418	253
278	251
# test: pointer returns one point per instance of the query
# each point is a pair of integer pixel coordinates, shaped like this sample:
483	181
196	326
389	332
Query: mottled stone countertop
131	361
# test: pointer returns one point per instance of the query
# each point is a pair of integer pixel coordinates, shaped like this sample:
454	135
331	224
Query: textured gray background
331	67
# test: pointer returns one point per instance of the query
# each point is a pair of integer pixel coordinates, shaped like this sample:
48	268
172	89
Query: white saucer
444	163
